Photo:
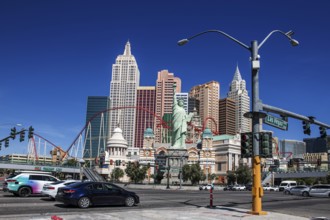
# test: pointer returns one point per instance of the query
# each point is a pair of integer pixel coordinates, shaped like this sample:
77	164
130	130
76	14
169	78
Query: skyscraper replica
164	102
227	113
97	126
208	96
239	94
144	118
123	90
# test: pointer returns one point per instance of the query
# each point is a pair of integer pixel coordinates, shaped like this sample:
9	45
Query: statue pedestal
175	160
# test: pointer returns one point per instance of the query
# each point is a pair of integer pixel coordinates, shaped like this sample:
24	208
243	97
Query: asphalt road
153	199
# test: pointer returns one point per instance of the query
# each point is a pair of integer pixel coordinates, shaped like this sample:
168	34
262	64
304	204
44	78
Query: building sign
48	169
276	122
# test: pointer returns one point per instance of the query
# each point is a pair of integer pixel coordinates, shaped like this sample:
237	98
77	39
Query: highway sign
276	122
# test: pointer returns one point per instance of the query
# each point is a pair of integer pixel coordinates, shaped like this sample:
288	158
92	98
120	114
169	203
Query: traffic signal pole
257	190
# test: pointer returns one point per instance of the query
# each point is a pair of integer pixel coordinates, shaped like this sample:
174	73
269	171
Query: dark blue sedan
85	194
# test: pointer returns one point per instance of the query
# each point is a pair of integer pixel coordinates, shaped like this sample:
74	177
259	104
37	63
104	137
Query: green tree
212	177
193	173
158	176
71	162
136	172
116	174
243	175
231	177
186	170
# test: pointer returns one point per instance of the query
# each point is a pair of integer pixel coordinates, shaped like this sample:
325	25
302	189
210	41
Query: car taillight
69	191
50	187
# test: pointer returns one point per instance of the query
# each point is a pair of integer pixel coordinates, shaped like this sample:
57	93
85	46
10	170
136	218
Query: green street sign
276	122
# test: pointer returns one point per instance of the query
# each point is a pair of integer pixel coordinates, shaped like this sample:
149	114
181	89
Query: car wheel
305	194
84	202
24	192
129	201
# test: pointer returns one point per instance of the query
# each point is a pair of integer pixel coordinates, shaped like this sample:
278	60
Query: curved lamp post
257	191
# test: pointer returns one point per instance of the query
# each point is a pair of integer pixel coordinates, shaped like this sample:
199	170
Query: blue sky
54	54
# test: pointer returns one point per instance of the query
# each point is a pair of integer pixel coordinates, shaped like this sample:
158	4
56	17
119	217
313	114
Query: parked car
248	187
26	183
239	188
50	189
300	190
320	190
287	184
274	188
85	194
266	187
206	187
228	187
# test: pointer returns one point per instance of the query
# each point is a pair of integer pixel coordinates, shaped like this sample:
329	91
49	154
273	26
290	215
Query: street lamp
257	191
81	163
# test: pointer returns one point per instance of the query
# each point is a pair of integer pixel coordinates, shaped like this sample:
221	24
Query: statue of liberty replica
179	122
177	154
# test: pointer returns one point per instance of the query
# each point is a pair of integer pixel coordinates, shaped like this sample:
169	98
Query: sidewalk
186	213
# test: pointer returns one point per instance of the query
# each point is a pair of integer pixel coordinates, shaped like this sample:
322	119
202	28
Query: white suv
25	184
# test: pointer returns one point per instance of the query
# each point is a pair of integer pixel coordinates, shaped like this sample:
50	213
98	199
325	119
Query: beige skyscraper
208	95
239	93
164	101
123	89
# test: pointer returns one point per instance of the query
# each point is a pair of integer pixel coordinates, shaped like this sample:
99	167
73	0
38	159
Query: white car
274	188
239	188
266	187
51	188
206	187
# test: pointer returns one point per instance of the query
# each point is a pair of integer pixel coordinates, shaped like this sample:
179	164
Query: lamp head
289	33
294	42
183	42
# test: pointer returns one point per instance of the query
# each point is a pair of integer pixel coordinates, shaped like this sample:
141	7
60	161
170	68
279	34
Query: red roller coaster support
216	126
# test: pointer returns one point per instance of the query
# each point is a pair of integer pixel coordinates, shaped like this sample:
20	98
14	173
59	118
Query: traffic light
102	160
21	136
323	132
7	142
290	163
318	162
277	163
246	144
118	162
31	132
13	133
265	145
307	127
